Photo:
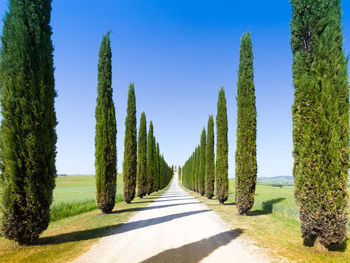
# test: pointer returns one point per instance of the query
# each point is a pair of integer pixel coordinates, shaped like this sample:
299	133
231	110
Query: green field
78	188
74	195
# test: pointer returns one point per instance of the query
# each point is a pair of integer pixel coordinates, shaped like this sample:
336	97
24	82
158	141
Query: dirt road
174	228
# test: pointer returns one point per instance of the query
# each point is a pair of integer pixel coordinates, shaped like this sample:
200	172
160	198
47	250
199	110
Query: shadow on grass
196	251
267	207
149	207
309	242
111	229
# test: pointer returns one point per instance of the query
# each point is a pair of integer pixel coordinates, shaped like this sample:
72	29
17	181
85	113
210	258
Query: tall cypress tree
130	148
158	168
197	171
142	158
246	165
193	172
320	121
203	148
210	160
150	160
180	173
28	136
221	149
106	132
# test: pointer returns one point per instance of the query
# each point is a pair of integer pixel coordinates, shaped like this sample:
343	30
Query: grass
75	195
67	238
78	188
273	225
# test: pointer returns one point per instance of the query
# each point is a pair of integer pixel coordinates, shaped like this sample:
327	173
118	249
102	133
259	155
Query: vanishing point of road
174	228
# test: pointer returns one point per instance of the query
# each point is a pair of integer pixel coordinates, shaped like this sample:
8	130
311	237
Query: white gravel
174	228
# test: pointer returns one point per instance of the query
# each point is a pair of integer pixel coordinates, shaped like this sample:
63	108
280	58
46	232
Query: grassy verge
70	237
273	227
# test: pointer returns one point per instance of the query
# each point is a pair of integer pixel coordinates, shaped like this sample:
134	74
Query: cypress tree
28	136
197	171
158	168
106	132
203	148
320	121
221	149
246	165
210	160
130	148
150	160
179	173
193	172
142	158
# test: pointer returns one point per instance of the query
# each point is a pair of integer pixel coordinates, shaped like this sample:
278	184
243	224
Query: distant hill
278	181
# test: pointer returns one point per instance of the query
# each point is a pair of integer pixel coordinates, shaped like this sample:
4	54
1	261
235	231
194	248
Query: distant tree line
200	172
144	168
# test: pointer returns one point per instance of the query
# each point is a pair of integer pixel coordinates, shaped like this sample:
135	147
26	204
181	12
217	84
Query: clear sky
178	54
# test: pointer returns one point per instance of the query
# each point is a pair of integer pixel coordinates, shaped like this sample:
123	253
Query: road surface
174	228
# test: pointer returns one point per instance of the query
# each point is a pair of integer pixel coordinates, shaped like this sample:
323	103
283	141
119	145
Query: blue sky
178	54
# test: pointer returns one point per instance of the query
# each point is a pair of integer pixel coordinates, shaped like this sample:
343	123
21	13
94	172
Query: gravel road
174	228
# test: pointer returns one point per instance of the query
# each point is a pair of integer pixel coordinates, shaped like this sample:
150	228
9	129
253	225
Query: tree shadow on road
150	207
111	229
162	200
196	251
267	207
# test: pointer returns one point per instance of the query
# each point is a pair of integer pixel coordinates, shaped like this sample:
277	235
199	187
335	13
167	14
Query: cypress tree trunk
130	148
320	121
203	149
28	136
221	149
210	160
106	132
246	165
142	158
150	160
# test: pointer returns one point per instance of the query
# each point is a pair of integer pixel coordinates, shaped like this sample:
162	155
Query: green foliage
203	148
246	164
106	132
221	149
130	148
150	159
156	167
28	135
179	173
320	120
158	164
196	167
210	160
142	158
